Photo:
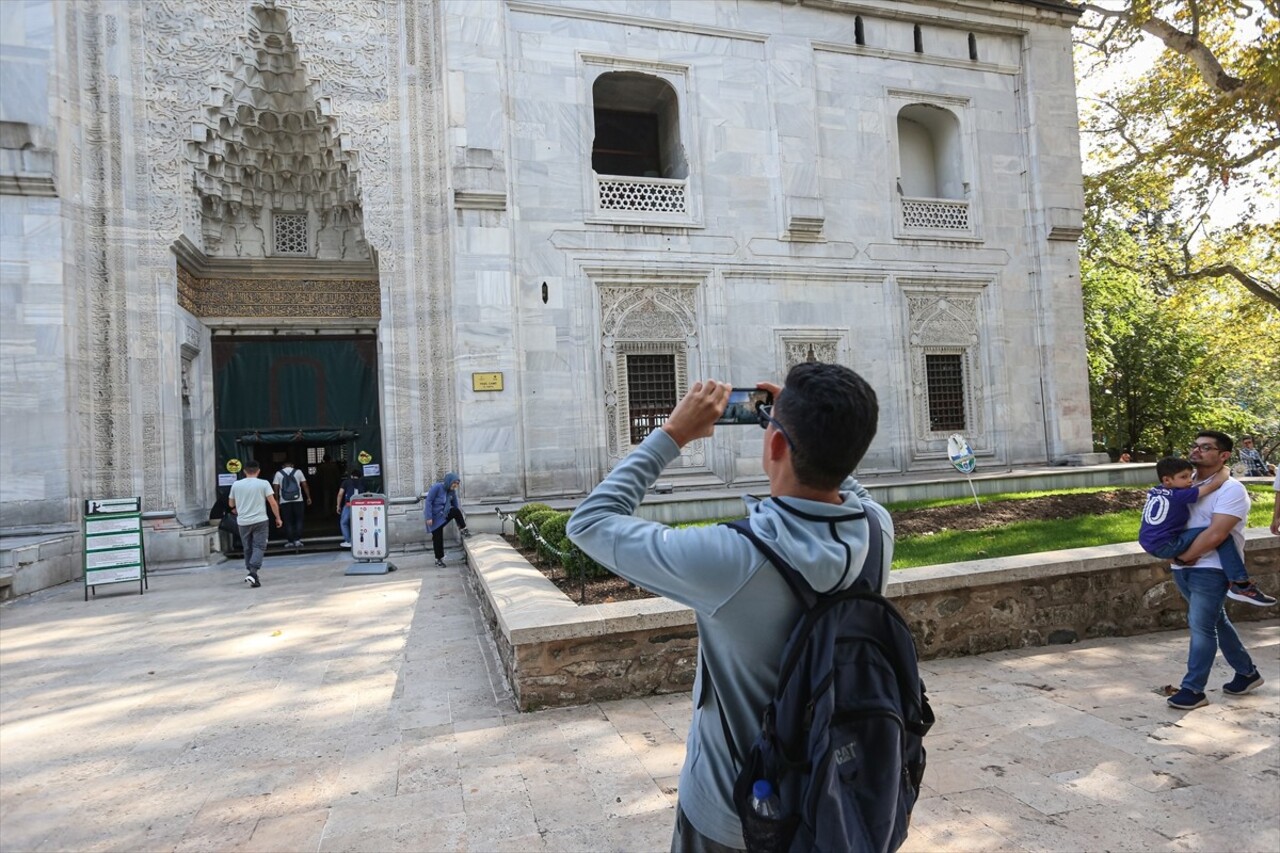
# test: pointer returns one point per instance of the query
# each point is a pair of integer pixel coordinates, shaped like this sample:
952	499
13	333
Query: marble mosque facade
893	186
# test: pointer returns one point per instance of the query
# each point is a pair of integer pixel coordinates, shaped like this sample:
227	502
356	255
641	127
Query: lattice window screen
291	234
935	215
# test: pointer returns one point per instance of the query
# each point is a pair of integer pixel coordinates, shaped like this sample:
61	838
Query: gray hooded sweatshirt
745	610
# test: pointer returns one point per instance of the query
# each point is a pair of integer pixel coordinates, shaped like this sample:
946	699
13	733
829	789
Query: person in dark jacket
352	486
441	508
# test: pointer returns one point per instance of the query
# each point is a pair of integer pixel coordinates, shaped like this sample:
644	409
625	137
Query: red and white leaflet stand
369	535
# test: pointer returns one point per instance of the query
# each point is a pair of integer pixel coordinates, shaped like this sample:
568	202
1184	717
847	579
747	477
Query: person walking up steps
441	508
291	486
249	500
350	488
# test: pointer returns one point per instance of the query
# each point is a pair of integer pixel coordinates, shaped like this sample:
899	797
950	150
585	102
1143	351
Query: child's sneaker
1187	700
1250	594
439	564
1243	684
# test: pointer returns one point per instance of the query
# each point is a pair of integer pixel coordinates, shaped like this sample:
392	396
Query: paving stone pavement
328	713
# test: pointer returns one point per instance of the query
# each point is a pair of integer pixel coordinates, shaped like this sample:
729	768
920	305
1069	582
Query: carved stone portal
273	174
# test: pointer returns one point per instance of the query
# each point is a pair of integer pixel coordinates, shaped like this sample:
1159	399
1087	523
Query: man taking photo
815	518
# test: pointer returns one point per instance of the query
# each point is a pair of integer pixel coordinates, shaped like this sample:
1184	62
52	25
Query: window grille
935	215
650	195
291	234
651	393
945	377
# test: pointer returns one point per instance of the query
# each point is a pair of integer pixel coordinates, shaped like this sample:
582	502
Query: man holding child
1200	578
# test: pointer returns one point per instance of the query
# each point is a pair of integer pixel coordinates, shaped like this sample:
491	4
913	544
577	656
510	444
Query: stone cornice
202	266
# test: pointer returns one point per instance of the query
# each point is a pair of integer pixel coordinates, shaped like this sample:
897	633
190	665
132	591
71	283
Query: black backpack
842	739
289	488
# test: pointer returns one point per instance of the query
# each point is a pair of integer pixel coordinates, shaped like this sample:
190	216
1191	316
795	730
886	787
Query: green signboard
113	551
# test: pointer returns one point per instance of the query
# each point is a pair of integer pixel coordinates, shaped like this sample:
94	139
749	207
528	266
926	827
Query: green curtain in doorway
280	386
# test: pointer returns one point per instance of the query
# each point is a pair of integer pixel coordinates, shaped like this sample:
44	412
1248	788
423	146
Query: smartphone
742	406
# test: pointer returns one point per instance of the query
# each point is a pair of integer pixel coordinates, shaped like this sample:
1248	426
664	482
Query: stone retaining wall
559	653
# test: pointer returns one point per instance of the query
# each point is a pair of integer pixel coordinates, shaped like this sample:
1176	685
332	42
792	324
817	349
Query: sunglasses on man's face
765	415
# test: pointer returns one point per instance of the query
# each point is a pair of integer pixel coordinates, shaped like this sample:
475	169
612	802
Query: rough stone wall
614	666
1065	608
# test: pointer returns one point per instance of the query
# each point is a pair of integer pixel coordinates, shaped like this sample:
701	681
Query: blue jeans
1205	590
1232	564
344	522
254	538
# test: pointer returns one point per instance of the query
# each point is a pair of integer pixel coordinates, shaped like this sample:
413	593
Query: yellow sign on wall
486	381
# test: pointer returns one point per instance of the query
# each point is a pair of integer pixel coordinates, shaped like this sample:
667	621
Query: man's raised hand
696	414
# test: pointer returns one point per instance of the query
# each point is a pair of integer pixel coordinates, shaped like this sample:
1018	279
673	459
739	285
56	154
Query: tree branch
1178	41
1265	291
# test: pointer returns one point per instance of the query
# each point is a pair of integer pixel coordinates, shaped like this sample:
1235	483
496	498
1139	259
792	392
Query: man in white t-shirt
1202	582
291	496
249	500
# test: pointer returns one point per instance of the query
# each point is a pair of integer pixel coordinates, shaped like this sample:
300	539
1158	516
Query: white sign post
964	460
369	535
113	551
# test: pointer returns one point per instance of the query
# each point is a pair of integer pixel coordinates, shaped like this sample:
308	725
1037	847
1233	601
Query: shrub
532	522
552	531
527	510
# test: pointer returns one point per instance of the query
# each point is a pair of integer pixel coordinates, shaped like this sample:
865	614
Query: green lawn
1030	537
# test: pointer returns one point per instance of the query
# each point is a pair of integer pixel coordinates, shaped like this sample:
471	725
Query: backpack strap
802	590
796	581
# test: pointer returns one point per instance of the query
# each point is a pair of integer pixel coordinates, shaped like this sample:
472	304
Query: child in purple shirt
1164	532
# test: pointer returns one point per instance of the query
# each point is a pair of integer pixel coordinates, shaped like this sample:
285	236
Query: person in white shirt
249	500
1203	584
291	497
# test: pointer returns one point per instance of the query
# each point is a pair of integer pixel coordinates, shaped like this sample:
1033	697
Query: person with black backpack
292	489
808	707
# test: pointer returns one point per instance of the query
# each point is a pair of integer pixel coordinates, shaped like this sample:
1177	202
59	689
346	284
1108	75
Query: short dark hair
830	413
1172	465
1223	440
252	465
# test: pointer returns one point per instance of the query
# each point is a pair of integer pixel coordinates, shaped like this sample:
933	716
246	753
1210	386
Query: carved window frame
946	317
645	312
678	77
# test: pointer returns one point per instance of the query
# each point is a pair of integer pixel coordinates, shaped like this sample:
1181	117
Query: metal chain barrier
562	556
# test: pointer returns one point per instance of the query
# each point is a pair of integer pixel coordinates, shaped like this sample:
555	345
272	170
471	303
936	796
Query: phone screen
742	406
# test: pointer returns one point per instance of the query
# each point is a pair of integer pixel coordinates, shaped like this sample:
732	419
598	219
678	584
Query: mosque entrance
307	401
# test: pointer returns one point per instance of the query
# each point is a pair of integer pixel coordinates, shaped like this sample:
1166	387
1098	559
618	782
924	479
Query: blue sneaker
1187	700
1243	684
1250	594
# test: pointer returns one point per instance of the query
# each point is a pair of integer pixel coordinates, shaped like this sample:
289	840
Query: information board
369	527
113	551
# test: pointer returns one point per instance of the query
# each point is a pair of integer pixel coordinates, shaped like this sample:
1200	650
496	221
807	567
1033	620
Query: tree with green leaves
1157	369
1202	124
